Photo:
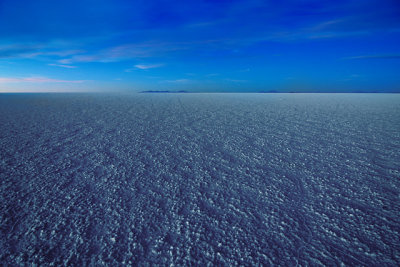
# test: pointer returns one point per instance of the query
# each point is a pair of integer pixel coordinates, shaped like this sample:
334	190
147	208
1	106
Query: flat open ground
200	178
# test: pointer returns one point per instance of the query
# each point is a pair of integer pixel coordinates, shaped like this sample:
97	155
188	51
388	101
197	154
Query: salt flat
197	179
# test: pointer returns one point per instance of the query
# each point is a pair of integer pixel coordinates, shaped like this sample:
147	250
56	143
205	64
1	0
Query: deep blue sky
245	45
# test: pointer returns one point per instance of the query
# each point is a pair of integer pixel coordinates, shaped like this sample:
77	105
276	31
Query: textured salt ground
198	179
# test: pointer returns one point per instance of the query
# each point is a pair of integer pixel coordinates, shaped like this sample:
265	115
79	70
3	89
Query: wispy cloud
55	53
34	51
236	80
142	50
177	81
84	58
63	66
326	25
390	56
36	80
148	66
121	53
15	51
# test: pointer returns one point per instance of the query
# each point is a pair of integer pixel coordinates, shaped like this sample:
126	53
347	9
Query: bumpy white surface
198	179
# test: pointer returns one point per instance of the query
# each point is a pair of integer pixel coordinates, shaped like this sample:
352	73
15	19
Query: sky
200	45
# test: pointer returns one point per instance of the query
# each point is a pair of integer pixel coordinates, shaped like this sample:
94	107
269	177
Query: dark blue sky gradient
114	45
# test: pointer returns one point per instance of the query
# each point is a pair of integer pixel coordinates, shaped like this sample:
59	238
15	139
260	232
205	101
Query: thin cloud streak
36	80
35	50
178	81
144	67
236	80
148	66
125	52
394	56
63	66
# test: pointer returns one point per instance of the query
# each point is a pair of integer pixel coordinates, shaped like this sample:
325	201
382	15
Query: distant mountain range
274	91
167	91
